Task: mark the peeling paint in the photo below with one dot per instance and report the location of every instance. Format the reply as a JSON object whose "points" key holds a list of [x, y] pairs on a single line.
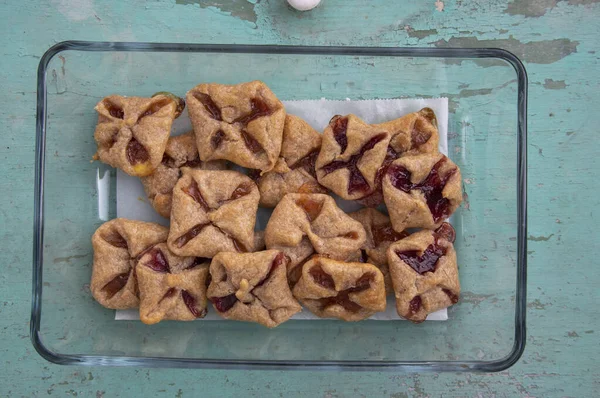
{"points": [[538, 8], [420, 34], [241, 9], [453, 99], [554, 84], [540, 238], [80, 11], [473, 298], [536, 52], [68, 259], [582, 2], [466, 205], [537, 304], [530, 8]]}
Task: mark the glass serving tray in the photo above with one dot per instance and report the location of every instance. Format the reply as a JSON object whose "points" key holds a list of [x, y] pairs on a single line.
{"points": [[487, 90]]}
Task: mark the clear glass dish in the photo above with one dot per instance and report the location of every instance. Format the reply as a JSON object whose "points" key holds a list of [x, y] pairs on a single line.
{"points": [[487, 89]]}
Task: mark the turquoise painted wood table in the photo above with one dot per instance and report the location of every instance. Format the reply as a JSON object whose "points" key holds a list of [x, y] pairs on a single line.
{"points": [[557, 40]]}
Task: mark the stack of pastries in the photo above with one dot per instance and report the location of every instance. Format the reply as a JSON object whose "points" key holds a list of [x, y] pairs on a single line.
{"points": [[311, 253]]}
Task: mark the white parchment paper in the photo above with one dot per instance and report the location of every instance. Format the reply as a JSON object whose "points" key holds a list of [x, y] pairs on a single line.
{"points": [[132, 202]]}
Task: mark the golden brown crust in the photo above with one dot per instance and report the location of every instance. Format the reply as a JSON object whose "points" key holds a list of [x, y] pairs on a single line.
{"points": [[351, 155], [171, 287], [181, 151], [241, 123], [213, 211], [336, 289], [414, 133], [117, 245], [380, 235], [303, 224], [294, 171], [410, 209], [421, 293], [252, 287], [132, 132]]}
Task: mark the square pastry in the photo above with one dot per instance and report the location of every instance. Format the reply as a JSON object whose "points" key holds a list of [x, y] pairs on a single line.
{"points": [[421, 191], [303, 224], [117, 245], [132, 132], [424, 272], [252, 287], [181, 151], [242, 123], [212, 212], [411, 134], [336, 289], [351, 155], [294, 171], [171, 287], [380, 235]]}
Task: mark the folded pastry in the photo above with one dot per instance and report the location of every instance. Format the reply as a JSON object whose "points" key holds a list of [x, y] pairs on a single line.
{"points": [[117, 245], [252, 287], [351, 154], [336, 289], [424, 272], [213, 211], [380, 235], [132, 132], [242, 123], [181, 151], [295, 169], [303, 224], [411, 134], [171, 287], [421, 191]]}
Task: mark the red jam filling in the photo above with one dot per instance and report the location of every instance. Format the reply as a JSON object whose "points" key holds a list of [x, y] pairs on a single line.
{"points": [[217, 139], [136, 153], [339, 126], [321, 277], [158, 262], [189, 235], [357, 182], [116, 240], [209, 105], [343, 297], [190, 303], [426, 262], [224, 304], [432, 187], [415, 305], [193, 190], [115, 285], [312, 208]]}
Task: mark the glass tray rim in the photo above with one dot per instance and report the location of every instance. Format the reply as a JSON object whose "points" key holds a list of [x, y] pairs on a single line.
{"points": [[494, 365]]}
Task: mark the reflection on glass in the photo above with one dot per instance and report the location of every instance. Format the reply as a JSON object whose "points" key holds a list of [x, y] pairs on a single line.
{"points": [[103, 187]]}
